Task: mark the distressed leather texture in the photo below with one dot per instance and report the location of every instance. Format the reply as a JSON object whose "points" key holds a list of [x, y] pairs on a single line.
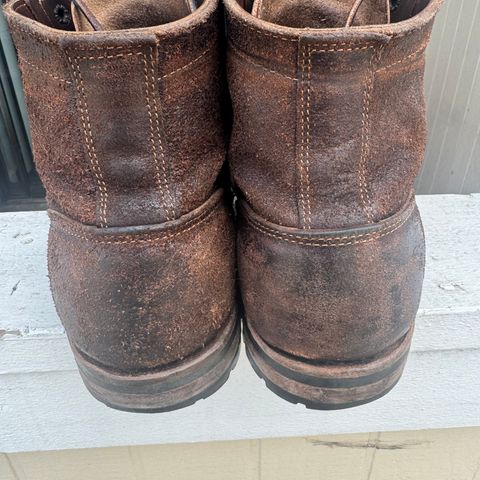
{"points": [[319, 14], [328, 137], [111, 14], [128, 138], [155, 295], [345, 295]]}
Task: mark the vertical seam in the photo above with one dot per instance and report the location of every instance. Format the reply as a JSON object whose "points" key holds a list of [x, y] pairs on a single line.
{"points": [[155, 136], [305, 139], [302, 134], [159, 137], [307, 150], [87, 130], [367, 203]]}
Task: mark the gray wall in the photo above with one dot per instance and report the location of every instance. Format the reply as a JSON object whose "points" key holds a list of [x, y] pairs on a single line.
{"points": [[452, 163]]}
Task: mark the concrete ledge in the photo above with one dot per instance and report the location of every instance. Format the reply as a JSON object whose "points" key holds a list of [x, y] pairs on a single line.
{"points": [[44, 406]]}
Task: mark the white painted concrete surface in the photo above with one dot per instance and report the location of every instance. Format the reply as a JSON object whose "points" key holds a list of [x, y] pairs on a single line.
{"points": [[44, 406]]}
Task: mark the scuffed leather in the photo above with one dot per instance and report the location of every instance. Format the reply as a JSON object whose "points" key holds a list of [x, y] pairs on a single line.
{"points": [[135, 299], [320, 14], [341, 295], [328, 138], [329, 124], [119, 14], [158, 89], [129, 141]]}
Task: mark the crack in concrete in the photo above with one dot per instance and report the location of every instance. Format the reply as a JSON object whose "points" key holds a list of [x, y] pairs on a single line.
{"points": [[15, 287], [367, 445]]}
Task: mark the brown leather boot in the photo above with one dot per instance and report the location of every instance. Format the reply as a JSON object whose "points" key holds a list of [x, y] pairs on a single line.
{"points": [[328, 137], [128, 138]]}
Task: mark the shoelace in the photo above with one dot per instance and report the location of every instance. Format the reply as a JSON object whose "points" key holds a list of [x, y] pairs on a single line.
{"points": [[82, 7]]}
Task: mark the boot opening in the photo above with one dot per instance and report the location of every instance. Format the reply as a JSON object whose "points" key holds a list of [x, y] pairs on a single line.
{"points": [[333, 13], [88, 15], [405, 9]]}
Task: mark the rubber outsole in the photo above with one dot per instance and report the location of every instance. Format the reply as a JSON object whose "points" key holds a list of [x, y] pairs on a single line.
{"points": [[168, 389], [327, 386]]}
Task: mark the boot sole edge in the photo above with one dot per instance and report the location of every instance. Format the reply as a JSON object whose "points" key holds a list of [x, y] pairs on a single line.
{"points": [[168, 389], [327, 386]]}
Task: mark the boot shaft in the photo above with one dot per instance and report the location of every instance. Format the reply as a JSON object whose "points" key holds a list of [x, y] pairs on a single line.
{"points": [[329, 127], [128, 139], [126, 124], [328, 137]]}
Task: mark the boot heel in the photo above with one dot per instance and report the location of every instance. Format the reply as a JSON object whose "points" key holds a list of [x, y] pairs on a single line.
{"points": [[327, 386], [168, 389]]}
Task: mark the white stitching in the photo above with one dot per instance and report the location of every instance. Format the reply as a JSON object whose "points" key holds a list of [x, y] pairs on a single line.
{"points": [[325, 245], [333, 241], [171, 214], [36, 67], [155, 129], [188, 64], [267, 34], [102, 57], [416, 52], [246, 57], [365, 152], [333, 47], [307, 150], [365, 196], [146, 238], [305, 124], [87, 129], [302, 140]]}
